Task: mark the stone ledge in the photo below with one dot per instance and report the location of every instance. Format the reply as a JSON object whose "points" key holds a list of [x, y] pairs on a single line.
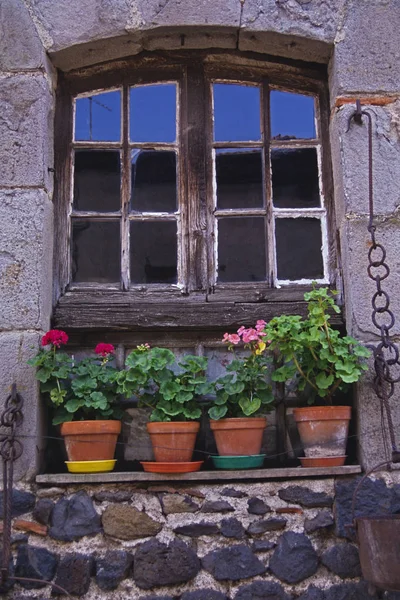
{"points": [[259, 474]]}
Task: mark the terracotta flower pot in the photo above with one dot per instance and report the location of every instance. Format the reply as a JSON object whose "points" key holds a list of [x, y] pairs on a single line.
{"points": [[323, 430], [90, 440], [173, 441], [239, 436]]}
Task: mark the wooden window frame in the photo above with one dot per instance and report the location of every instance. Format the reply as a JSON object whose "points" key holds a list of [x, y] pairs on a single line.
{"points": [[199, 304]]}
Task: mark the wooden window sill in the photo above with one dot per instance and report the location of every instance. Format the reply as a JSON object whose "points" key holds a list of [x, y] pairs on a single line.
{"points": [[212, 476]]}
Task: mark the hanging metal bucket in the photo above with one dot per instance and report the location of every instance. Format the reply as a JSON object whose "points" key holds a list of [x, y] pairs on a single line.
{"points": [[379, 545]]}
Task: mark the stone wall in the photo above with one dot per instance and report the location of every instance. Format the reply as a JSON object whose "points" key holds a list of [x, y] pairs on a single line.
{"points": [[273, 540]]}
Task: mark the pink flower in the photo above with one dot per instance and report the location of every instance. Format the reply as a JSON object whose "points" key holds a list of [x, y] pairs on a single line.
{"points": [[240, 330], [104, 349], [260, 325], [250, 335], [231, 338], [56, 337]]}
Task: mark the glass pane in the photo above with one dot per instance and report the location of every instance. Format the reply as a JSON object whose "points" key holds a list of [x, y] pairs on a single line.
{"points": [[236, 112], [241, 249], [292, 116], [295, 178], [153, 181], [153, 252], [153, 113], [239, 178], [97, 180], [299, 248], [98, 117], [95, 251]]}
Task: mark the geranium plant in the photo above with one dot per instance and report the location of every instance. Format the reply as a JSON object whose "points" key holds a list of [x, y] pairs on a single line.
{"points": [[245, 389], [77, 390], [171, 393], [317, 357]]}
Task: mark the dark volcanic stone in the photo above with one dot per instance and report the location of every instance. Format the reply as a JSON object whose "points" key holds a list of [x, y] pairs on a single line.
{"points": [[343, 560], [259, 527], [294, 558], [262, 545], [73, 518], [37, 563], [197, 529], [322, 520], [157, 564], [232, 528], [232, 493], [374, 498], [217, 506], [256, 506], [22, 502], [42, 511], [11, 570], [156, 598], [350, 591], [73, 574], [112, 569], [114, 496], [305, 497], [313, 593], [262, 590], [233, 563], [206, 594]]}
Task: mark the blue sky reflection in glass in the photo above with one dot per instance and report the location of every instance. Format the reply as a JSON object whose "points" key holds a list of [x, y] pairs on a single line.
{"points": [[236, 113], [153, 113], [98, 117], [292, 116]]}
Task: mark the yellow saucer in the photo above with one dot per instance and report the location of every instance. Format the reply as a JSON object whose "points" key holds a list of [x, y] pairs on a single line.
{"points": [[90, 466]]}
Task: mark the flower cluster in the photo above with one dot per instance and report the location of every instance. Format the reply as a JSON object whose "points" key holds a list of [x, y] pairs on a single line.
{"points": [[247, 336], [104, 349], [55, 337]]}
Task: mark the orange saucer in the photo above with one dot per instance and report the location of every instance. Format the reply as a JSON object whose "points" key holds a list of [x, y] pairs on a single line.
{"points": [[172, 467]]}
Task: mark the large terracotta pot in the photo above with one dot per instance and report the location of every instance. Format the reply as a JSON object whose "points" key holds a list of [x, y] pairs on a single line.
{"points": [[173, 441], [238, 436], [323, 430], [90, 440]]}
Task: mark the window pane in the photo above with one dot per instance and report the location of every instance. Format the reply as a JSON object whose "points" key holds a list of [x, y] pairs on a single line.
{"points": [[295, 178], [95, 251], [236, 112], [153, 181], [153, 113], [239, 178], [98, 117], [97, 180], [153, 252], [299, 248], [292, 116], [241, 249]]}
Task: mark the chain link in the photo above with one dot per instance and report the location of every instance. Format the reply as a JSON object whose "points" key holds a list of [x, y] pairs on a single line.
{"points": [[386, 353]]}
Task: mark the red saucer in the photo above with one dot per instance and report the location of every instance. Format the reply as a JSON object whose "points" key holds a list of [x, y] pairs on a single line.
{"points": [[172, 467]]}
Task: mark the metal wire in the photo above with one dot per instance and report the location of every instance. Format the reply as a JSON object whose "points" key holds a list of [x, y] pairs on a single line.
{"points": [[386, 353]]}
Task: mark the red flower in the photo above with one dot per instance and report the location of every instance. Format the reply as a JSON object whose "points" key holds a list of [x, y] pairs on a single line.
{"points": [[56, 337], [104, 349]]}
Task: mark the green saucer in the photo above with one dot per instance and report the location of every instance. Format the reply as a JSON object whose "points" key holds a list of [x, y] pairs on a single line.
{"points": [[238, 462]]}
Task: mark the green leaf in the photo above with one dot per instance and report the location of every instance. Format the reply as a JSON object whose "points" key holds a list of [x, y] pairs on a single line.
{"points": [[217, 412], [73, 405], [249, 407], [324, 381]]}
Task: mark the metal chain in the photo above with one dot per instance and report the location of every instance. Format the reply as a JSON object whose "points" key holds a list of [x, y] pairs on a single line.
{"points": [[386, 353]]}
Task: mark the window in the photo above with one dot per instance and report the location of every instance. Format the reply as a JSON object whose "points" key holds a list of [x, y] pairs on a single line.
{"points": [[184, 181]]}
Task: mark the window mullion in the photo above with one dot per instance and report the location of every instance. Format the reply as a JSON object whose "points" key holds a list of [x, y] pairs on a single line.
{"points": [[195, 145], [125, 192], [270, 230]]}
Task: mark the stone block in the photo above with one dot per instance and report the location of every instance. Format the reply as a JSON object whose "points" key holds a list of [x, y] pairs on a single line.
{"points": [[350, 160], [43, 510], [74, 517], [322, 520], [161, 13], [26, 131], [15, 350], [359, 288], [112, 569], [257, 506], [26, 242], [20, 45], [294, 558], [70, 22], [197, 529], [128, 523], [22, 503], [297, 494], [367, 48], [73, 574], [36, 563], [315, 20], [232, 528], [233, 563], [343, 560], [262, 590]]}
